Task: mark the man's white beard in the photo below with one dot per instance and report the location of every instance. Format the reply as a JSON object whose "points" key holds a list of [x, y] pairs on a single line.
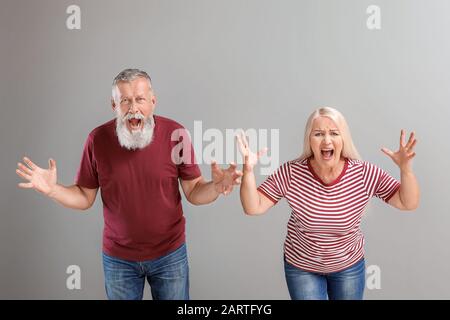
{"points": [[137, 139]]}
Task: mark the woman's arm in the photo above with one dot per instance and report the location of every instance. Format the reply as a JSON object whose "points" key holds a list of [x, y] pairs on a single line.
{"points": [[253, 201], [408, 195]]}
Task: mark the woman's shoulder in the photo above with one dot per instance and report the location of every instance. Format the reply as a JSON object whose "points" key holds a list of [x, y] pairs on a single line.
{"points": [[298, 162], [362, 165]]}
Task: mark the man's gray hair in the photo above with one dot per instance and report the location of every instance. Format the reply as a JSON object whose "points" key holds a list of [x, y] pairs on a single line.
{"points": [[128, 75]]}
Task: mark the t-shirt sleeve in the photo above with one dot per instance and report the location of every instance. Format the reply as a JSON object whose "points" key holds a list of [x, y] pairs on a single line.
{"points": [[186, 164], [87, 175], [276, 185], [381, 184]]}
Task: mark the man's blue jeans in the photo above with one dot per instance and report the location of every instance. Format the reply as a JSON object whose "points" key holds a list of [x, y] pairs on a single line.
{"points": [[347, 284], [168, 277]]}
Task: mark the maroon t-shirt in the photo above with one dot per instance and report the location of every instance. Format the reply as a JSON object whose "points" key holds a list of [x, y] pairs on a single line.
{"points": [[142, 208]]}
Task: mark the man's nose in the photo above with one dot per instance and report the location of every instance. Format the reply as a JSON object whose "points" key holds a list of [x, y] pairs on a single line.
{"points": [[133, 107]]}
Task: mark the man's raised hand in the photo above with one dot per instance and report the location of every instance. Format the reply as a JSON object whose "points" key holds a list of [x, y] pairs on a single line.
{"points": [[42, 180]]}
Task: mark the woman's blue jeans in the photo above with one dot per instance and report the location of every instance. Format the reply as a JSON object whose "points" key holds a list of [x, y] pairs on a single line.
{"points": [[347, 284], [168, 277]]}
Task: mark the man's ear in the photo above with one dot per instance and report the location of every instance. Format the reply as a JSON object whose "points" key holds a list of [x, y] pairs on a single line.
{"points": [[113, 104], [153, 102]]}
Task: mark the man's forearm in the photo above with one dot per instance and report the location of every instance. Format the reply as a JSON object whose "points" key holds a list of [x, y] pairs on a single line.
{"points": [[71, 197], [203, 193]]}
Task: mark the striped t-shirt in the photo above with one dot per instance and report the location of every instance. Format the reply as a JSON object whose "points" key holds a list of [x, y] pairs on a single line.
{"points": [[324, 232]]}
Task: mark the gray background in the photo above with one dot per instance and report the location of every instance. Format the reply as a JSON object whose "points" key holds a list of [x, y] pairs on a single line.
{"points": [[231, 64]]}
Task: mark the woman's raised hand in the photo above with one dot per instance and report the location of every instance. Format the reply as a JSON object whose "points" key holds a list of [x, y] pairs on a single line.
{"points": [[404, 155], [250, 158]]}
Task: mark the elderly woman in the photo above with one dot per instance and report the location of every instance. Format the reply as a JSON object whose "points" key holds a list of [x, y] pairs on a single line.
{"points": [[328, 188]]}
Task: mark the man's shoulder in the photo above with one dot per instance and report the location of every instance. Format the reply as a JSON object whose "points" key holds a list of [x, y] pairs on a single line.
{"points": [[104, 129], [167, 123]]}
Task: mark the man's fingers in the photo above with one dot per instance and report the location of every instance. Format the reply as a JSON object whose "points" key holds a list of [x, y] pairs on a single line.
{"points": [[51, 164], [232, 167], [227, 190], [214, 166], [238, 173], [25, 185], [24, 168], [29, 163], [23, 175]]}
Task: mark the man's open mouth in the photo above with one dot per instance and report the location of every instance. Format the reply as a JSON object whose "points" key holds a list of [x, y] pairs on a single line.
{"points": [[134, 123], [327, 154]]}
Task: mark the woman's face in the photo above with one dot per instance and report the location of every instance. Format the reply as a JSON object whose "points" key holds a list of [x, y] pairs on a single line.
{"points": [[326, 142]]}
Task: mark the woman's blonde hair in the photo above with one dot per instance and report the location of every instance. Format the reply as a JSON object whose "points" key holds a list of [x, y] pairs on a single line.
{"points": [[348, 151]]}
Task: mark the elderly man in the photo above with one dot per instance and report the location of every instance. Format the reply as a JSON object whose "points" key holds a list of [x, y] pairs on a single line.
{"points": [[136, 161]]}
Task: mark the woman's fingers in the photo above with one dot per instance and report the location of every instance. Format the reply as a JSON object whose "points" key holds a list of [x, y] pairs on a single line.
{"points": [[402, 138], [411, 155], [411, 139], [413, 144], [244, 139], [262, 152], [388, 152], [241, 145]]}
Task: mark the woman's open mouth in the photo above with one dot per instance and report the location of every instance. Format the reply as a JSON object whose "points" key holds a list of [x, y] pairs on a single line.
{"points": [[327, 154]]}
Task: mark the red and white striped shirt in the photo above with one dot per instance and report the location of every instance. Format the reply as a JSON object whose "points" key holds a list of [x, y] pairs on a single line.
{"points": [[324, 232]]}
